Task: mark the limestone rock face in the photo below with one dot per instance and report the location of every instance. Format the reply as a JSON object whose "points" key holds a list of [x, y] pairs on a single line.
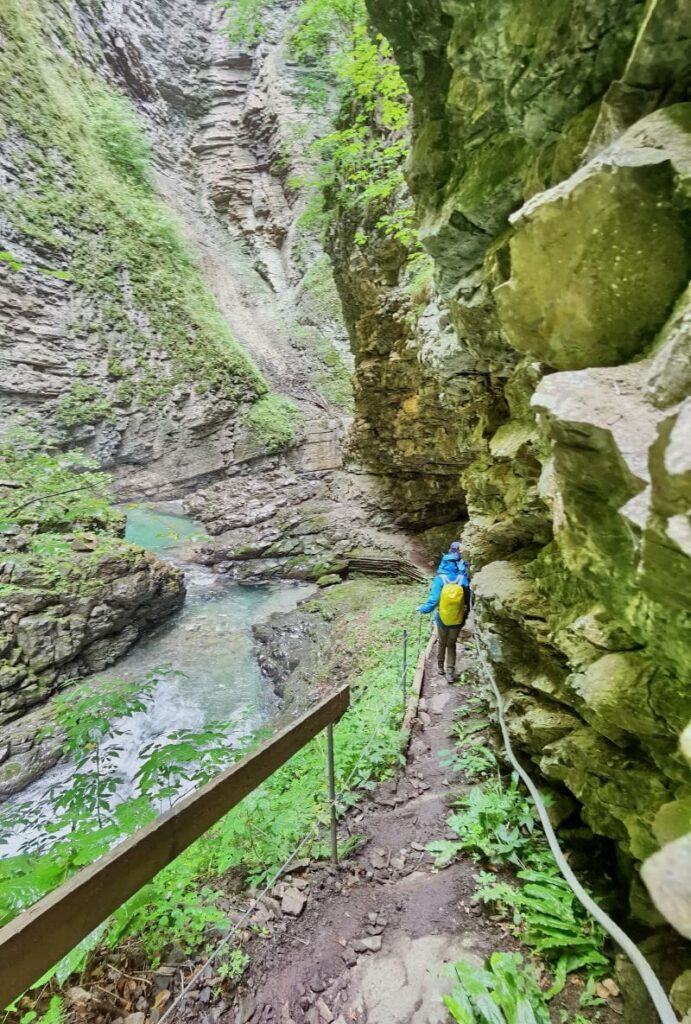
{"points": [[127, 345], [406, 429], [57, 630], [550, 163], [598, 261]]}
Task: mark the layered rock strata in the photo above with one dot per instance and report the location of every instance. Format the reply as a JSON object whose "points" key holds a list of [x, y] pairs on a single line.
{"points": [[56, 629], [135, 317]]}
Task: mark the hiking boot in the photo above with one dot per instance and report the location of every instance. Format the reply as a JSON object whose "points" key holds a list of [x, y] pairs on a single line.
{"points": [[451, 675]]}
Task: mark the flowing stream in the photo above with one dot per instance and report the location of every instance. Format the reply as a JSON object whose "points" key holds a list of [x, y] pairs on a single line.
{"points": [[208, 645]]}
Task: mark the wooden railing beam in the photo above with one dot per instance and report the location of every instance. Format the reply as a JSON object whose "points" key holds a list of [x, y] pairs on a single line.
{"points": [[37, 939]]}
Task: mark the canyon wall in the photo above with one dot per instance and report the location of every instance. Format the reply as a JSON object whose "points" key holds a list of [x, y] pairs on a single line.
{"points": [[150, 298], [550, 163]]}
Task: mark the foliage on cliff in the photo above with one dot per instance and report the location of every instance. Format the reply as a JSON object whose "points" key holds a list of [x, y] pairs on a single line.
{"points": [[359, 163], [79, 192], [273, 422]]}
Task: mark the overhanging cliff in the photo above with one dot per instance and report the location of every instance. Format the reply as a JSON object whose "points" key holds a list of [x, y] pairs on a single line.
{"points": [[550, 167]]}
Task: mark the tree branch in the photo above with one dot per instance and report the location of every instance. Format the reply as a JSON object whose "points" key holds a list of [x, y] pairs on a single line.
{"points": [[42, 497]]}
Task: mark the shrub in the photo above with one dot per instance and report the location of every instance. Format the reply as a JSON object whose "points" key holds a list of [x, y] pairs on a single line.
{"points": [[121, 137], [273, 421], [83, 403]]}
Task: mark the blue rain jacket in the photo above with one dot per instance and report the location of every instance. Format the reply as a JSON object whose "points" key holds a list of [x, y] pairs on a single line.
{"points": [[449, 567], [463, 570]]}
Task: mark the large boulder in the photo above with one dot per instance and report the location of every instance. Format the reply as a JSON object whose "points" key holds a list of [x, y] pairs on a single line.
{"points": [[598, 261], [56, 628]]}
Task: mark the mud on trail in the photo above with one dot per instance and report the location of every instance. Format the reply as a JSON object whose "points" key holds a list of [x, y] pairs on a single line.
{"points": [[367, 943]]}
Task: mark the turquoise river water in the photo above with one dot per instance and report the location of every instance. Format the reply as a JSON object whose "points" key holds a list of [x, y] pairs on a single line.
{"points": [[209, 645]]}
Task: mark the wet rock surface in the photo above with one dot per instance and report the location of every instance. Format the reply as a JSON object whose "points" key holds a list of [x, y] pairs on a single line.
{"points": [[541, 205], [56, 630], [289, 650]]}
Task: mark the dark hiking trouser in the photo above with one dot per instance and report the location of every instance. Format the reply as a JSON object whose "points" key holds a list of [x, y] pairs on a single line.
{"points": [[447, 637]]}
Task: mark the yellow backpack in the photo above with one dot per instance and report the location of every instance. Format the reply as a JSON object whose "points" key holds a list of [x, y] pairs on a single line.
{"points": [[451, 602]]}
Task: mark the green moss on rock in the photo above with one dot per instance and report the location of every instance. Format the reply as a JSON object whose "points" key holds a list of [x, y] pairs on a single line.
{"points": [[273, 422], [82, 194]]}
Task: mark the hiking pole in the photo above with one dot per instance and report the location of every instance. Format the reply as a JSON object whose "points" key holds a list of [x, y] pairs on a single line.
{"points": [[419, 635], [405, 662]]}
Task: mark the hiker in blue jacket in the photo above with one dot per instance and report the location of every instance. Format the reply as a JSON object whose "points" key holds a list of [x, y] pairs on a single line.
{"points": [[455, 610], [455, 553]]}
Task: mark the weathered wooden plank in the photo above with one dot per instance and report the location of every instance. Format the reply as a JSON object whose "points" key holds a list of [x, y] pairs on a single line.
{"points": [[414, 696], [38, 938]]}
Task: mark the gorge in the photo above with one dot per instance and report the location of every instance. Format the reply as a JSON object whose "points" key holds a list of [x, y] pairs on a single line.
{"points": [[349, 281]]}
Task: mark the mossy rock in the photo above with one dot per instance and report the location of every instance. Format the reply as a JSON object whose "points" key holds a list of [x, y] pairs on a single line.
{"points": [[598, 262], [328, 580]]}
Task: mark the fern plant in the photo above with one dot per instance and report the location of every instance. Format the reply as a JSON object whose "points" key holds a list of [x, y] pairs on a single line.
{"points": [[493, 823], [547, 916], [55, 1013]]}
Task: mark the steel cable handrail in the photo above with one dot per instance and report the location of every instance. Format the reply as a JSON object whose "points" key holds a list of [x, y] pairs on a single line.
{"points": [[655, 990]]}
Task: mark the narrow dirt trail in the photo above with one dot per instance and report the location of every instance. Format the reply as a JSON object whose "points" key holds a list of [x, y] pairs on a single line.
{"points": [[374, 935]]}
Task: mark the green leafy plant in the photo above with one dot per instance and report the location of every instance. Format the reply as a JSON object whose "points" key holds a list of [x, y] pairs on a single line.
{"points": [[187, 760], [547, 916], [245, 22], [83, 403], [53, 490], [273, 421], [359, 162], [121, 136], [233, 965], [55, 1013], [494, 822], [318, 22], [589, 996], [475, 760], [11, 261], [504, 992]]}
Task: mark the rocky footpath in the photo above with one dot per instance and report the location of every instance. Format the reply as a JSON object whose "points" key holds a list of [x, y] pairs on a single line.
{"points": [[550, 165]]}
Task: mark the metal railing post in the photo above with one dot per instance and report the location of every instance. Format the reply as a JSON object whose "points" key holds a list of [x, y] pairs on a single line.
{"points": [[405, 662], [332, 792]]}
